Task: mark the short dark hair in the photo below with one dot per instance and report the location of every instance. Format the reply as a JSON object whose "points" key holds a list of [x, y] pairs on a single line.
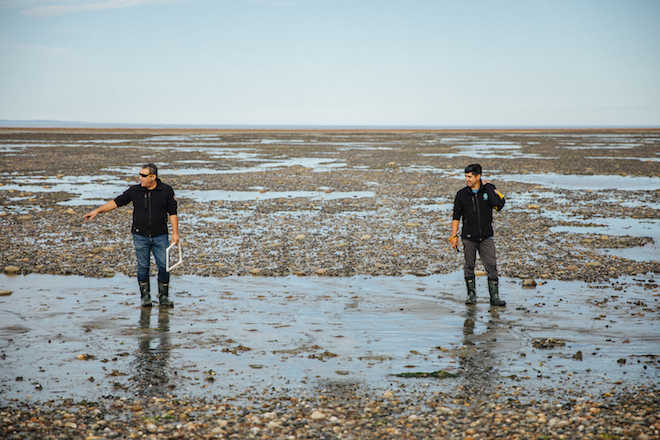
{"points": [[473, 168], [153, 169]]}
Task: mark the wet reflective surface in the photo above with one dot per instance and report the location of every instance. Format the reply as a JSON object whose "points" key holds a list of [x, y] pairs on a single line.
{"points": [[594, 183], [84, 338]]}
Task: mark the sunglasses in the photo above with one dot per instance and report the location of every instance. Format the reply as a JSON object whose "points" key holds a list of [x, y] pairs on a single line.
{"points": [[144, 175]]}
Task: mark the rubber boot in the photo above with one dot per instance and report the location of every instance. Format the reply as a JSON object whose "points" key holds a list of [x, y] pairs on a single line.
{"points": [[163, 295], [494, 291], [471, 285], [145, 293]]}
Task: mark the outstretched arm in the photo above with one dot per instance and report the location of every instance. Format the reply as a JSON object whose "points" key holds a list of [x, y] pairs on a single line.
{"points": [[103, 208]]}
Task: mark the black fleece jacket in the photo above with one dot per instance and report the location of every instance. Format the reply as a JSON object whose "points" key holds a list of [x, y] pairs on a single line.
{"points": [[150, 208], [476, 210]]}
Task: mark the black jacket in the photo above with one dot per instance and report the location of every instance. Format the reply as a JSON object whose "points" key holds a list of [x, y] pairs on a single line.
{"points": [[476, 210], [150, 208]]}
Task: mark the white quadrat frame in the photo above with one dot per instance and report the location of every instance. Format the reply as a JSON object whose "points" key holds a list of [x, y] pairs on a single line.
{"points": [[171, 250]]}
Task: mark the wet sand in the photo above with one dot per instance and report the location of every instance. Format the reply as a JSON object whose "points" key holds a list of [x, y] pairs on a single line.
{"points": [[316, 271]]}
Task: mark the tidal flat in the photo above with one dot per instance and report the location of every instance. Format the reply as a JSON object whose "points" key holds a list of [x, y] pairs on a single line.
{"points": [[319, 297]]}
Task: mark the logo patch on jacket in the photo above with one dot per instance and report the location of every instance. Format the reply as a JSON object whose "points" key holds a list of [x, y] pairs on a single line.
{"points": [[485, 196]]}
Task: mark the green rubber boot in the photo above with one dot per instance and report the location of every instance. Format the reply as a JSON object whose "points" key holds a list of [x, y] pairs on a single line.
{"points": [[145, 293], [471, 285], [163, 295], [494, 291]]}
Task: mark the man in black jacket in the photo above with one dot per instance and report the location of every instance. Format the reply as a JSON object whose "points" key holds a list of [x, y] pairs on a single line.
{"points": [[474, 204], [153, 201]]}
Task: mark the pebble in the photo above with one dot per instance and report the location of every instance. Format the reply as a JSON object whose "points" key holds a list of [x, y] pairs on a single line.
{"points": [[529, 283], [317, 415], [12, 270], [5, 292]]}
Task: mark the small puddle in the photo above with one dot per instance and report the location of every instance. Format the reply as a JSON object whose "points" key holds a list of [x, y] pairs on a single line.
{"points": [[491, 150], [641, 159], [586, 182], [88, 190], [316, 164]]}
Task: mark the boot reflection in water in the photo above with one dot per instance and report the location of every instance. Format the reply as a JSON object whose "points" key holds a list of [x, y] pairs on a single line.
{"points": [[468, 325], [150, 367]]}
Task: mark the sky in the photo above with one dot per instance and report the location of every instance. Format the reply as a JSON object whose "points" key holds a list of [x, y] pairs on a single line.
{"points": [[333, 62]]}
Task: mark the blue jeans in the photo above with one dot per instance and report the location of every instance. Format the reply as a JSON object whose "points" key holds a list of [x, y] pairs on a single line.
{"points": [[144, 246]]}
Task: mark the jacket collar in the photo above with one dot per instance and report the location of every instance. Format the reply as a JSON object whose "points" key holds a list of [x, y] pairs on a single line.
{"points": [[159, 186]]}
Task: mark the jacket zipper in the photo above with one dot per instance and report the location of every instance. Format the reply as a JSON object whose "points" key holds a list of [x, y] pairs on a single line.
{"points": [[148, 197], [475, 202]]}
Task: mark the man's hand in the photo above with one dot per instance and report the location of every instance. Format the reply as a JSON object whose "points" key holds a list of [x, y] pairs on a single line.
{"points": [[175, 238], [90, 215], [103, 208], [453, 241]]}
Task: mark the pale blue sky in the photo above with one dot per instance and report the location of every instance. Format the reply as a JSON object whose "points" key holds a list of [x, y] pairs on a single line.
{"points": [[433, 63]]}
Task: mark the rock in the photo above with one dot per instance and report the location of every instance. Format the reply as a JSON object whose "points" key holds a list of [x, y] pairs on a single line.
{"points": [[151, 428], [533, 206], [5, 292], [317, 415], [12, 270], [70, 211], [388, 394], [548, 343], [529, 283], [578, 356]]}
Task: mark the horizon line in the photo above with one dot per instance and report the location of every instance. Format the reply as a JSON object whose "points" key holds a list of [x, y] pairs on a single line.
{"points": [[48, 123]]}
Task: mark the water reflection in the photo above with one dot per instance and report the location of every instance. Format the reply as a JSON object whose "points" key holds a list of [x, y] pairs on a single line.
{"points": [[476, 355], [151, 371]]}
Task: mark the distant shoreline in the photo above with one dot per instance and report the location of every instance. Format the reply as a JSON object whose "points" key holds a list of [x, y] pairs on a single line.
{"points": [[312, 129], [81, 125]]}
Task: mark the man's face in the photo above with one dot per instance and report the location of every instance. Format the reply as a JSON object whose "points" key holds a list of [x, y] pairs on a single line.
{"points": [[146, 178], [472, 179]]}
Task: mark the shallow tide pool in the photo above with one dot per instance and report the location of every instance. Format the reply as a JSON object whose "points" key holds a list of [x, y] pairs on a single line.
{"points": [[83, 338]]}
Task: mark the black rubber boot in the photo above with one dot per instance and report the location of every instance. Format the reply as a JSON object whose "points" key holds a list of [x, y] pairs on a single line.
{"points": [[163, 295], [494, 291], [471, 285], [145, 293]]}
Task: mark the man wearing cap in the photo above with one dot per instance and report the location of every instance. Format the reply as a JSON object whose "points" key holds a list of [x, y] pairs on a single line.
{"points": [[474, 204], [153, 202]]}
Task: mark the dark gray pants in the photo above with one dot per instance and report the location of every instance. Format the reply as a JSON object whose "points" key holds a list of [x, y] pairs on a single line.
{"points": [[486, 250]]}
